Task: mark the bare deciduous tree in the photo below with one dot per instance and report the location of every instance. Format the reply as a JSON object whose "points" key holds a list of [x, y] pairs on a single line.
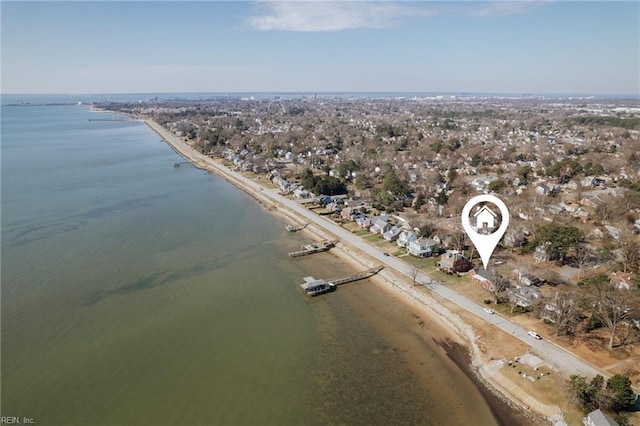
{"points": [[414, 273], [612, 305], [629, 252], [458, 240], [563, 311], [427, 229], [582, 254], [500, 286]]}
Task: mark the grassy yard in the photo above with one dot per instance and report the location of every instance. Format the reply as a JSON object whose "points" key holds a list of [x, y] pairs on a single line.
{"points": [[452, 280], [398, 251], [423, 264], [352, 227], [371, 238], [262, 180]]}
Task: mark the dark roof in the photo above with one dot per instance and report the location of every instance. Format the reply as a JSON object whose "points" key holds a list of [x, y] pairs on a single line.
{"points": [[489, 274]]}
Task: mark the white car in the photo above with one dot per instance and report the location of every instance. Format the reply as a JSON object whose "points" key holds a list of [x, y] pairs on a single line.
{"points": [[489, 311], [535, 335]]}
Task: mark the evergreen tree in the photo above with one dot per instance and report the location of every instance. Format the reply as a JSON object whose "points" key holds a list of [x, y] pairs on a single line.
{"points": [[622, 395]]}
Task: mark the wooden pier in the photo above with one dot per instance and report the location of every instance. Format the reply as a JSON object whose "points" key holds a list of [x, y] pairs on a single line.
{"points": [[314, 287], [183, 164], [314, 248], [355, 277], [296, 228]]}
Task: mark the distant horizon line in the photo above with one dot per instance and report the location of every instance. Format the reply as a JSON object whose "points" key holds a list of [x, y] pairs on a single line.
{"points": [[316, 91], [397, 93]]}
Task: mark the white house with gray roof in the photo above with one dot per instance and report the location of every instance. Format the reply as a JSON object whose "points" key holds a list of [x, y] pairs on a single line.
{"points": [[422, 247]]}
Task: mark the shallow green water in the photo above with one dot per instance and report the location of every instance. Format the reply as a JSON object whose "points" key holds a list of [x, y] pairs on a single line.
{"points": [[137, 293]]}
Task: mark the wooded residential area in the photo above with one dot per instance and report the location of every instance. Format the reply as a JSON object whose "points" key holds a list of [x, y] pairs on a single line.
{"points": [[568, 169]]}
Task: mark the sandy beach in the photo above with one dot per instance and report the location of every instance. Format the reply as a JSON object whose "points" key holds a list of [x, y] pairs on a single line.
{"points": [[457, 338]]}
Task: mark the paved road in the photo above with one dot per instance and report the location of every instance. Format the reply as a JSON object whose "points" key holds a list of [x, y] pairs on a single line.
{"points": [[550, 352]]}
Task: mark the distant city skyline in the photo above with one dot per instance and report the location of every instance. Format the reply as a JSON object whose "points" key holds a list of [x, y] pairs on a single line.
{"points": [[315, 46]]}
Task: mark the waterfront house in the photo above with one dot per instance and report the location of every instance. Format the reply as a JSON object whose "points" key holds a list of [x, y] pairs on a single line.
{"points": [[486, 278], [324, 199], [422, 247], [350, 214], [524, 296], [380, 226], [282, 183], [392, 234], [453, 262], [364, 222], [334, 206], [405, 238], [301, 193]]}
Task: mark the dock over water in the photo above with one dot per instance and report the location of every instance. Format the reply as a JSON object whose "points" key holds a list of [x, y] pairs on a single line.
{"points": [[314, 248], [315, 287], [356, 276], [296, 228], [183, 164]]}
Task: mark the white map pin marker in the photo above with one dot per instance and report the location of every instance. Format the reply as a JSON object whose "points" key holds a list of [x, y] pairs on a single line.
{"points": [[485, 244]]}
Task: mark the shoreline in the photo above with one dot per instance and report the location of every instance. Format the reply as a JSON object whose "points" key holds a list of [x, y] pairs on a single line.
{"points": [[461, 337]]}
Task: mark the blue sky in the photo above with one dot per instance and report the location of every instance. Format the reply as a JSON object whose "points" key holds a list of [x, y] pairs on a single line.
{"points": [[319, 46]]}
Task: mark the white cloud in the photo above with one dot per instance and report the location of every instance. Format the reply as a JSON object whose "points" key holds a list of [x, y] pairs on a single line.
{"points": [[318, 16], [503, 8], [331, 15]]}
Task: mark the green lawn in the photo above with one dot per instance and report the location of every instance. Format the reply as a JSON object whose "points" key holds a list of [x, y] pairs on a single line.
{"points": [[398, 251], [428, 266], [352, 227], [450, 280], [372, 238]]}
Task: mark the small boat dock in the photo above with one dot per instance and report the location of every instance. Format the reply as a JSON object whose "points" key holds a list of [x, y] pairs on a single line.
{"points": [[315, 287], [296, 228], [357, 276], [314, 248], [183, 164]]}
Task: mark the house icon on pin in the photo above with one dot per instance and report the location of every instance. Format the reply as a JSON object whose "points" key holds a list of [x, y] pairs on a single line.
{"points": [[485, 218]]}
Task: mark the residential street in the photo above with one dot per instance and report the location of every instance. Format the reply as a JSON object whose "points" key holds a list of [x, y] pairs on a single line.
{"points": [[555, 355], [550, 352]]}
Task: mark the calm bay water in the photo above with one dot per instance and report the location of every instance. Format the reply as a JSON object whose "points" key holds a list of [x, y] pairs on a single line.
{"points": [[135, 293]]}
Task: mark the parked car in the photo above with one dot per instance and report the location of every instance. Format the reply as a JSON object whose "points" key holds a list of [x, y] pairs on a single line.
{"points": [[535, 335], [489, 311]]}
